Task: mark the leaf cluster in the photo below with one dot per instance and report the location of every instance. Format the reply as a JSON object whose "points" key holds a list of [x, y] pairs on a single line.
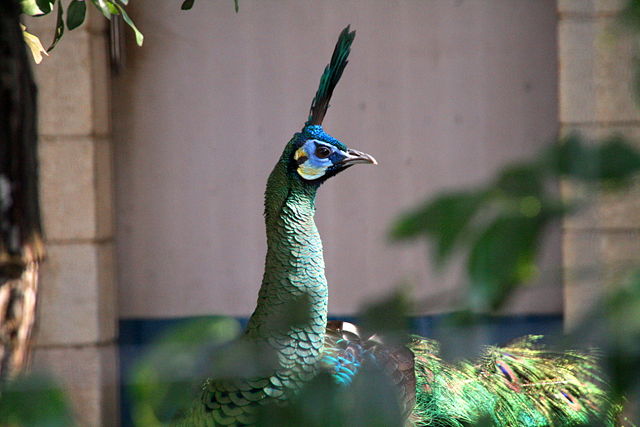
{"points": [[34, 400], [76, 12], [500, 225], [188, 4]]}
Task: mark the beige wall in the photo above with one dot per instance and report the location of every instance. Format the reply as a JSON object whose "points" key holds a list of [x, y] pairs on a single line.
{"points": [[441, 92]]}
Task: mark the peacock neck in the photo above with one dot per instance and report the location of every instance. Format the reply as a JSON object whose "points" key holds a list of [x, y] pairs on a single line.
{"points": [[293, 275]]}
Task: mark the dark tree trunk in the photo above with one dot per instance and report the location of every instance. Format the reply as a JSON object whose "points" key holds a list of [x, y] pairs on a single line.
{"points": [[21, 246]]}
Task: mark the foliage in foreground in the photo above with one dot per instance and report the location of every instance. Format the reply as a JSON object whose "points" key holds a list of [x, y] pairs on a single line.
{"points": [[34, 401], [499, 225]]}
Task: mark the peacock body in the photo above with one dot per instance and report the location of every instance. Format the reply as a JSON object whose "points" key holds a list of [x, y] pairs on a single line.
{"points": [[518, 385]]}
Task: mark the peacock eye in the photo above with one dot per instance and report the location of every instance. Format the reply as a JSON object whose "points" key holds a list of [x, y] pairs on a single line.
{"points": [[323, 152]]}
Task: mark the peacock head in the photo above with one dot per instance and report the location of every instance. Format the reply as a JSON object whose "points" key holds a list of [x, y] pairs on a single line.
{"points": [[318, 156]]}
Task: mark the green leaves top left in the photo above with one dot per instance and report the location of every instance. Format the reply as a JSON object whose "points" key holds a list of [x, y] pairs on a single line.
{"points": [[76, 13]]}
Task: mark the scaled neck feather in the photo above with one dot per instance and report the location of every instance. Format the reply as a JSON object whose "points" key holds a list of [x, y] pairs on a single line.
{"points": [[294, 270]]}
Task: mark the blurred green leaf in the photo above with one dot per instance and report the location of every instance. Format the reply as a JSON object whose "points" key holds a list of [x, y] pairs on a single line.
{"points": [[45, 5], [102, 6], [611, 162], [187, 4], [445, 219], [501, 224], [373, 400], [613, 327], [622, 312], [630, 15], [59, 27], [113, 7], [30, 7], [387, 318], [34, 401], [521, 180], [75, 13], [294, 312], [617, 159], [139, 36], [164, 380], [236, 5], [317, 405], [370, 401], [502, 257]]}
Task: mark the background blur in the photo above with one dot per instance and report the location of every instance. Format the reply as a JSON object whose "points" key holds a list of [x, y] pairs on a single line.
{"points": [[153, 194]]}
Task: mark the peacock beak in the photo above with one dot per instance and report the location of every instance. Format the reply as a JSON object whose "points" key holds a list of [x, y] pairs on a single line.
{"points": [[354, 156]]}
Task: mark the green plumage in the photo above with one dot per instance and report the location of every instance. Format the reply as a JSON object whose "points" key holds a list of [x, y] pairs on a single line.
{"points": [[294, 272], [519, 385]]}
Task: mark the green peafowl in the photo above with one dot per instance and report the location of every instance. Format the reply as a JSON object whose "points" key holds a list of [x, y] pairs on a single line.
{"points": [[518, 385]]}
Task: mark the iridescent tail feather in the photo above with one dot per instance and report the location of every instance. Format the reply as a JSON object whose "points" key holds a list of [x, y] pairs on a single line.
{"points": [[521, 384]]}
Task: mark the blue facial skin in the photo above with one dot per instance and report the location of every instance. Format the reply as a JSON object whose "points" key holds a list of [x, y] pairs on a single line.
{"points": [[310, 148], [310, 166]]}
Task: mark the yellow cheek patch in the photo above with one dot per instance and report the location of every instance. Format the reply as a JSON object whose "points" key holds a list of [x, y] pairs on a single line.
{"points": [[299, 153], [308, 172]]}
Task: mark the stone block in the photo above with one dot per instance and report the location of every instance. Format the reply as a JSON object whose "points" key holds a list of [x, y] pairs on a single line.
{"points": [[67, 189], [89, 377], [103, 164], [77, 297], [594, 261], [595, 79], [615, 61], [619, 209], [599, 131], [590, 6], [65, 87], [576, 63], [101, 84], [107, 320]]}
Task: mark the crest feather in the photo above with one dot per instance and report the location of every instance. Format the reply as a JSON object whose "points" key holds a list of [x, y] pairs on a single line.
{"points": [[330, 77]]}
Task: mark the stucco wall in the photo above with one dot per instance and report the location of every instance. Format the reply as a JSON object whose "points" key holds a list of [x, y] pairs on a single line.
{"points": [[441, 92]]}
